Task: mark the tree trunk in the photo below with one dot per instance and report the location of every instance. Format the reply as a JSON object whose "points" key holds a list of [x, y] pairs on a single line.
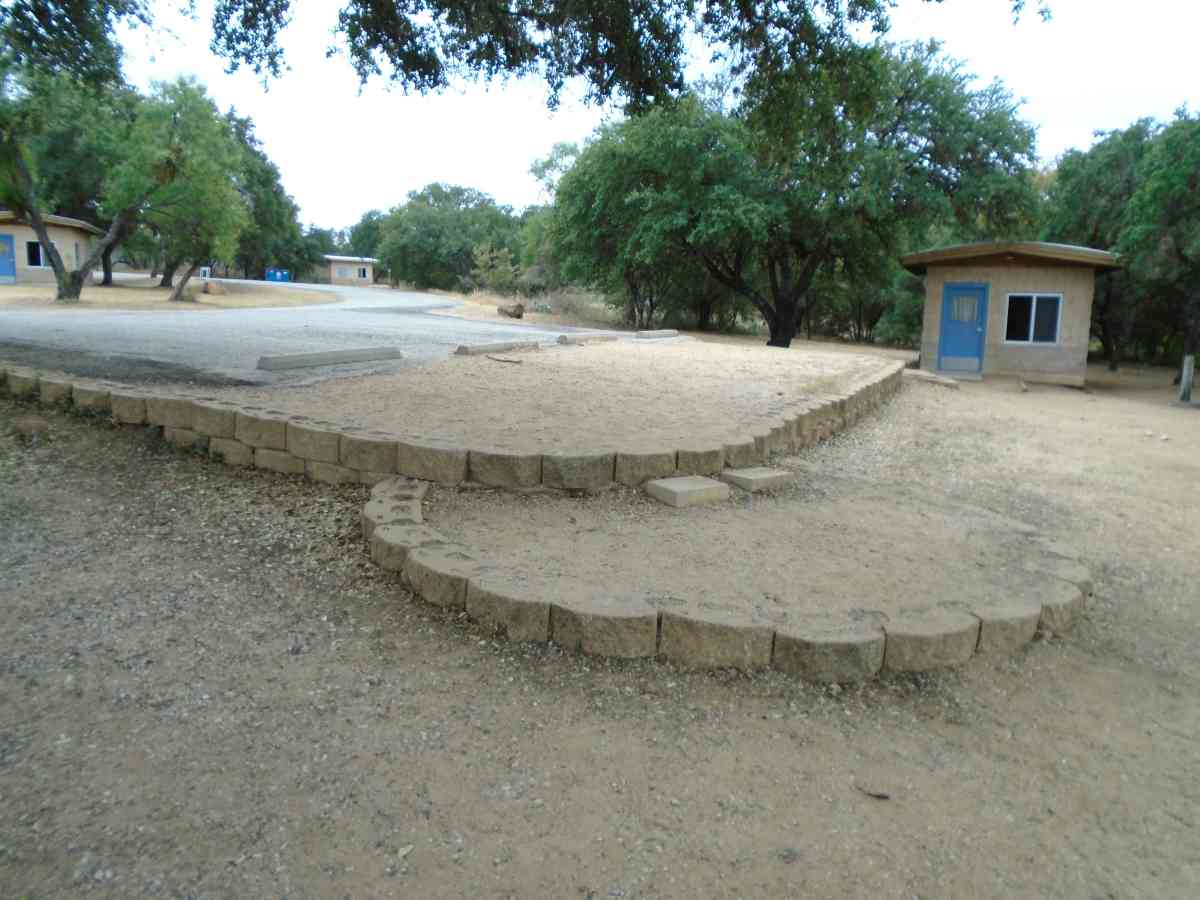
{"points": [[170, 267], [106, 263], [177, 293]]}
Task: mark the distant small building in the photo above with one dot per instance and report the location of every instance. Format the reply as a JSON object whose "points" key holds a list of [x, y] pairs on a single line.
{"points": [[23, 260], [351, 270], [1009, 308]]}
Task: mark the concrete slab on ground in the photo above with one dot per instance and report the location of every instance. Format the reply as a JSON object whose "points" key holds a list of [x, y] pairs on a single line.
{"points": [[687, 490], [757, 478], [328, 358]]}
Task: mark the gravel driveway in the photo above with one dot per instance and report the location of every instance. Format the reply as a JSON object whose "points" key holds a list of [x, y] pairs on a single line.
{"points": [[225, 345], [207, 691]]}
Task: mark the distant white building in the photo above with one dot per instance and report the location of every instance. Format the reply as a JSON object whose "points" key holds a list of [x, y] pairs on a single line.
{"points": [[351, 269]]}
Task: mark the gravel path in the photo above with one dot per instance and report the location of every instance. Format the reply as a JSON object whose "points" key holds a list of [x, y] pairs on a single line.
{"points": [[206, 690]]}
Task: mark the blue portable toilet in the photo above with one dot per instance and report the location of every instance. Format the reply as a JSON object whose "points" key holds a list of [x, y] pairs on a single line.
{"points": [[278, 275]]}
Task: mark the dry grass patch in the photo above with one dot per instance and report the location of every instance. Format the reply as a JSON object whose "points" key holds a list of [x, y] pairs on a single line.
{"points": [[145, 294]]}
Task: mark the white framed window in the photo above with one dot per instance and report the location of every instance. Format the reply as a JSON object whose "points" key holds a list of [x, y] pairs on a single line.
{"points": [[362, 272], [343, 272], [1033, 319], [33, 254]]}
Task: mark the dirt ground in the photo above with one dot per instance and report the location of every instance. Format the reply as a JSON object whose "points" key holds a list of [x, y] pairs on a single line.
{"points": [[623, 395], [144, 294], [206, 690]]}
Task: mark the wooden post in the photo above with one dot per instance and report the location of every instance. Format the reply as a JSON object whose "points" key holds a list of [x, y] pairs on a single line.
{"points": [[1186, 378]]}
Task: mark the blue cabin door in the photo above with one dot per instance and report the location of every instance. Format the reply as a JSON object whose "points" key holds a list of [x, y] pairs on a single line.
{"points": [[964, 327], [8, 260]]}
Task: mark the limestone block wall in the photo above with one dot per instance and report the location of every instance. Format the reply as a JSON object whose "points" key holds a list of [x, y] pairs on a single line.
{"points": [[336, 453], [451, 575]]}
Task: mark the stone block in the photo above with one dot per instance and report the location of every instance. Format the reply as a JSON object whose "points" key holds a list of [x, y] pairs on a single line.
{"points": [[400, 488], [128, 407], [93, 398], [1062, 605], [762, 445], [278, 461], [656, 334], [231, 452], [1006, 626], [330, 473], [509, 470], [758, 478], [712, 639], [920, 640], [392, 543], [700, 460], [625, 627], [22, 385], [262, 428], [314, 440], [388, 511], [168, 412], [498, 347], [439, 573], [633, 468], [740, 454], [368, 451], [577, 471], [54, 391], [687, 490], [830, 648], [216, 418], [431, 460], [506, 606], [185, 438]]}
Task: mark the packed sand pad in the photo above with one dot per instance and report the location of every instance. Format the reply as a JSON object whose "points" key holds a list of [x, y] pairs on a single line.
{"points": [[771, 559], [624, 395]]}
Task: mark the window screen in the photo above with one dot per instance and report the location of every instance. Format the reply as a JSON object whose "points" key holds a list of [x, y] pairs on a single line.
{"points": [[965, 309], [1019, 309], [33, 253], [1045, 320]]}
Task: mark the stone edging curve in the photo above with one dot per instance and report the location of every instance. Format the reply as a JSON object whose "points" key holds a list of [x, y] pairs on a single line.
{"points": [[822, 647]]}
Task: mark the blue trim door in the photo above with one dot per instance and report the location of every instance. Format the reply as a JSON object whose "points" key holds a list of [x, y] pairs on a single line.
{"points": [[8, 260], [964, 327]]}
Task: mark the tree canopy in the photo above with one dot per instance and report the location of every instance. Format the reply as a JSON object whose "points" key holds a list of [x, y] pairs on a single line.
{"points": [[765, 207]]}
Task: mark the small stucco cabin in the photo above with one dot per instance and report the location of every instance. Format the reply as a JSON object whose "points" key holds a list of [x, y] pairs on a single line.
{"points": [[23, 260], [351, 270], [1009, 308]]}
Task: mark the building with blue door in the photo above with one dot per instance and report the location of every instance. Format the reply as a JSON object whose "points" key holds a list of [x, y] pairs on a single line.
{"points": [[1009, 308], [23, 259]]}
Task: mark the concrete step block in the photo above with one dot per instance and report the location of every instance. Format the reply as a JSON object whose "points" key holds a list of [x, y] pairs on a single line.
{"points": [[757, 478], [687, 490]]}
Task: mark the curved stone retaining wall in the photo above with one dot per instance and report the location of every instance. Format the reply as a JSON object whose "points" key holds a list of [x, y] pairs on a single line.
{"points": [[341, 454], [444, 573]]}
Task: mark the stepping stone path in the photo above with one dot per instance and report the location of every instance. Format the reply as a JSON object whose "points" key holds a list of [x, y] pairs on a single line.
{"points": [[758, 478], [687, 490]]}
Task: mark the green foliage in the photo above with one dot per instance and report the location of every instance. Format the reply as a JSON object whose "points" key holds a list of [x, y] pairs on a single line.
{"points": [[808, 191], [634, 49], [494, 270], [195, 204], [69, 37], [1085, 205], [430, 240], [1161, 223]]}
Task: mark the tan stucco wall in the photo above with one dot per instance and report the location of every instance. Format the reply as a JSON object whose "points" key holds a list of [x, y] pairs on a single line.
{"points": [[1062, 363], [352, 270], [65, 238]]}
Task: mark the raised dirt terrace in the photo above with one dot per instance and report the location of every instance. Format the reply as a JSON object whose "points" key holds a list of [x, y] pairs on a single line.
{"points": [[625, 395]]}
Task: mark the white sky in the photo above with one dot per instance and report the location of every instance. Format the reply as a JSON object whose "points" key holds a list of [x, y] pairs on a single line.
{"points": [[1097, 65]]}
